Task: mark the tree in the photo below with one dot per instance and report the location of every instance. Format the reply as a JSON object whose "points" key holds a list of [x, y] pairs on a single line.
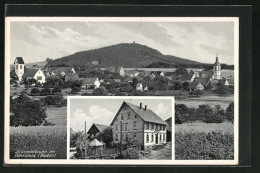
{"points": [[177, 85], [76, 86], [134, 82], [100, 92], [230, 112], [204, 111], [35, 92], [105, 136], [45, 92], [181, 71], [185, 85], [76, 138], [27, 112], [56, 90], [181, 111]]}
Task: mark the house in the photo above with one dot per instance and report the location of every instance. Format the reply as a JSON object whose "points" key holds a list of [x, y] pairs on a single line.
{"points": [[231, 81], [97, 128], [211, 86], [90, 83], [56, 71], [120, 70], [203, 81], [155, 73], [117, 80], [71, 76], [139, 86], [145, 88], [196, 86], [19, 67], [36, 74], [132, 73], [138, 124]]}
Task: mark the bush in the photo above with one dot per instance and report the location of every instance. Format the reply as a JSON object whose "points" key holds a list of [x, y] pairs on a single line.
{"points": [[56, 90], [196, 92], [130, 153], [45, 92], [56, 100], [35, 92], [100, 92]]}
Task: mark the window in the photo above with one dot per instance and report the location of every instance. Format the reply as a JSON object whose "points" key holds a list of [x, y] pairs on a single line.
{"points": [[152, 126], [21, 67], [134, 125], [116, 127], [16, 66], [135, 116], [147, 137], [160, 137], [134, 136], [164, 137], [126, 136], [116, 137], [147, 126], [152, 138], [128, 116], [39, 77], [126, 126], [122, 117], [164, 127]]}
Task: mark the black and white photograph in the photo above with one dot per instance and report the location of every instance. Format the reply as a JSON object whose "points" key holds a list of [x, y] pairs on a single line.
{"points": [[120, 128], [193, 60]]}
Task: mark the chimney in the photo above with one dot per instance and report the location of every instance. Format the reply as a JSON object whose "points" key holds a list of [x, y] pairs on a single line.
{"points": [[141, 105], [145, 107]]}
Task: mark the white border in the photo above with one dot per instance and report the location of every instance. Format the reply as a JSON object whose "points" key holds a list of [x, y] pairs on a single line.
{"points": [[122, 19]]}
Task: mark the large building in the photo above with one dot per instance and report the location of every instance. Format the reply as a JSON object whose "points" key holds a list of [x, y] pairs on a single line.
{"points": [[139, 125], [27, 73], [217, 70]]}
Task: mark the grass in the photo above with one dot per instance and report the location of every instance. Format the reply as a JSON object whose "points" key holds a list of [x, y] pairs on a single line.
{"points": [[204, 127], [38, 142], [57, 115]]}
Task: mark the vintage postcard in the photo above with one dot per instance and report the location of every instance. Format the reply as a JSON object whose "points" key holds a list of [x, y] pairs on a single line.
{"points": [[113, 90]]}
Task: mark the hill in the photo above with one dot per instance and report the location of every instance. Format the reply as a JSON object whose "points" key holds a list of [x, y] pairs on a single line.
{"points": [[131, 55]]}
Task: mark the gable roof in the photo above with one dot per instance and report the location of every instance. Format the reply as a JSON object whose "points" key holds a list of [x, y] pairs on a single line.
{"points": [[19, 60], [203, 81], [95, 143], [117, 69], [193, 85], [88, 80], [101, 127], [231, 81], [186, 77], [71, 76], [147, 115], [30, 72], [58, 70], [139, 85]]}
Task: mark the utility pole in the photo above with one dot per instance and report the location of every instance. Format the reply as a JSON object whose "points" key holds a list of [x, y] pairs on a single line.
{"points": [[121, 135], [85, 141]]}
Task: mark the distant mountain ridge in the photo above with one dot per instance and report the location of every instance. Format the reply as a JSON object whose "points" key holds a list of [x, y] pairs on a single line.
{"points": [[128, 55]]}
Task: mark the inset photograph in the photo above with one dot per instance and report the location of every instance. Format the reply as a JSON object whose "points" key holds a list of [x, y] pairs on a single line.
{"points": [[120, 127]]}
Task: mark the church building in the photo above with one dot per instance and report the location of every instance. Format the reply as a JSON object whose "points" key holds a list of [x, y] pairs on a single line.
{"points": [[217, 70]]}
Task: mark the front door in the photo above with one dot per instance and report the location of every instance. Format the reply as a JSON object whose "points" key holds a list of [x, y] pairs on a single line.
{"points": [[156, 138]]}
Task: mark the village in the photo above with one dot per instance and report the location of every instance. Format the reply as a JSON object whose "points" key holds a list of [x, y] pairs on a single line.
{"points": [[91, 80]]}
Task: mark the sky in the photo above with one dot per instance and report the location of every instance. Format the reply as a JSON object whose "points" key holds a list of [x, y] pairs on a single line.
{"points": [[102, 111], [200, 41]]}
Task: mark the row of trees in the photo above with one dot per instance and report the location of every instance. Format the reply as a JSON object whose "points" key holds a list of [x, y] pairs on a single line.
{"points": [[204, 113]]}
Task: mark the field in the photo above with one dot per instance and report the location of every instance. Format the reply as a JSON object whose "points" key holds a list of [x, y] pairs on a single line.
{"points": [[39, 142], [57, 115], [226, 127], [197, 141], [223, 101]]}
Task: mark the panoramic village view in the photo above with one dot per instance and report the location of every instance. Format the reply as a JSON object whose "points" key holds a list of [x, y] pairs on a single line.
{"points": [[203, 91]]}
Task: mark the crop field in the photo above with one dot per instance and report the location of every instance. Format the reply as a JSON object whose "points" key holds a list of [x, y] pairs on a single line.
{"points": [[214, 145], [226, 127], [210, 100], [57, 115], [38, 142]]}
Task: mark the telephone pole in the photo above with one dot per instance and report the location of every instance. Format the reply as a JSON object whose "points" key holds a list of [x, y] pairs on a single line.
{"points": [[85, 136]]}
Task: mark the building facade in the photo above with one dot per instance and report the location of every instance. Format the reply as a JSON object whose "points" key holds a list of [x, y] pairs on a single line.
{"points": [[19, 67], [217, 70], [139, 126]]}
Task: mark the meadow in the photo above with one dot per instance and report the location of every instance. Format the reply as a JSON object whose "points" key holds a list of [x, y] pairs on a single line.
{"points": [[57, 115], [38, 142]]}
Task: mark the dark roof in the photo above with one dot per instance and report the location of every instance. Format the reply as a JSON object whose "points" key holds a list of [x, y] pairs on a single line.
{"points": [[117, 70], [58, 70], [231, 81], [88, 80], [193, 85], [206, 74], [186, 77], [101, 127], [29, 72], [73, 76], [203, 81], [212, 85], [19, 60], [147, 115]]}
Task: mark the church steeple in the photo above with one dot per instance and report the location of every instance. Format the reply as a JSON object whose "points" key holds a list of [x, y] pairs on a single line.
{"points": [[217, 69]]}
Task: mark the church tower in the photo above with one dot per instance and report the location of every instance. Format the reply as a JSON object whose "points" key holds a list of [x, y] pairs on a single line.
{"points": [[217, 70], [19, 67]]}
